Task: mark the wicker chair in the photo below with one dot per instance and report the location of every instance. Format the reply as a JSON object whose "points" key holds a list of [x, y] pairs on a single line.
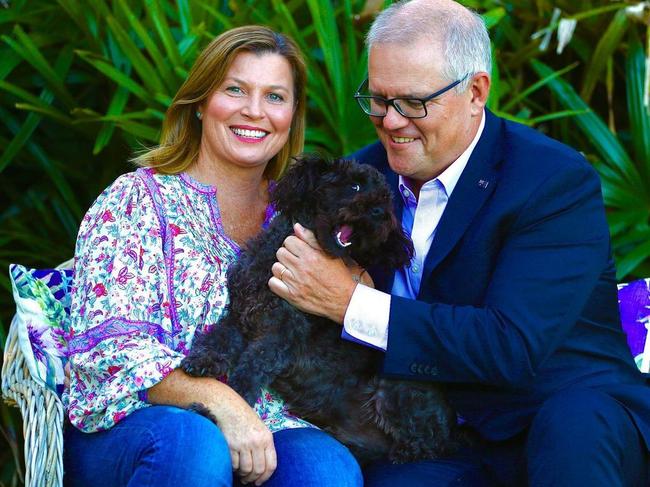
{"points": [[42, 413]]}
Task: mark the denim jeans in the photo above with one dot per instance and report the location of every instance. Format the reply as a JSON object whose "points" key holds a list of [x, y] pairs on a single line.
{"points": [[164, 446]]}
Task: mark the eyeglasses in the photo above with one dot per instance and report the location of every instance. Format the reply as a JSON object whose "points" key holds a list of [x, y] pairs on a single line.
{"points": [[409, 107]]}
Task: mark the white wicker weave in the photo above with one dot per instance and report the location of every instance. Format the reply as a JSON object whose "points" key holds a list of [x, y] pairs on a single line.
{"points": [[42, 413]]}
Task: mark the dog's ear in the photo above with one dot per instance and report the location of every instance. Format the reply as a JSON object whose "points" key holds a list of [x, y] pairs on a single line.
{"points": [[295, 189]]}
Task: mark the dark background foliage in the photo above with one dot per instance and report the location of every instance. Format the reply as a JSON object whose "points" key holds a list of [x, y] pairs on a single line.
{"points": [[85, 83]]}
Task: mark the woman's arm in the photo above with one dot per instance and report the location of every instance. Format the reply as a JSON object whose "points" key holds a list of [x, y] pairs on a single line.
{"points": [[250, 441]]}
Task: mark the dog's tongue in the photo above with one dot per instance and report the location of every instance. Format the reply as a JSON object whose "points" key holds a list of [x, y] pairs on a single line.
{"points": [[344, 236]]}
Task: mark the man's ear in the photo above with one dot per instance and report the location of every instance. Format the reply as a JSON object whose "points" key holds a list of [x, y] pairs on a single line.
{"points": [[479, 89]]}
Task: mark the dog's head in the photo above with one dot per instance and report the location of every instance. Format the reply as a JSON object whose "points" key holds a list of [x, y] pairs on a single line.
{"points": [[348, 206]]}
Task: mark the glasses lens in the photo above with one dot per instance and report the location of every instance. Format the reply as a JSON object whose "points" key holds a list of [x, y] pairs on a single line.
{"points": [[372, 106], [410, 107]]}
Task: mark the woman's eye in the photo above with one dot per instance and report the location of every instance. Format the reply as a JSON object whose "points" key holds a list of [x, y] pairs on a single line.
{"points": [[356, 187], [275, 98], [235, 90]]}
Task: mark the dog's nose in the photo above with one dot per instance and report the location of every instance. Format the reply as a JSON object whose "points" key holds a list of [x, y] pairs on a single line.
{"points": [[377, 212]]}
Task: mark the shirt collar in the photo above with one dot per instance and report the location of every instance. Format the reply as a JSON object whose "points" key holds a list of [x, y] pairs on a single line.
{"points": [[450, 176]]}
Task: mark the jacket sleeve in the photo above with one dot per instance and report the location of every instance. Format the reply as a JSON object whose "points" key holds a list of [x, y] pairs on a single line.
{"points": [[546, 269]]}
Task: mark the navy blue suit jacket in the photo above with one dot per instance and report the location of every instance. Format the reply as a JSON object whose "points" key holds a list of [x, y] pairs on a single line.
{"points": [[518, 298]]}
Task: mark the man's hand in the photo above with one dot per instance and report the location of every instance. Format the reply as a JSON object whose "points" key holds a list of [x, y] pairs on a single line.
{"points": [[311, 280]]}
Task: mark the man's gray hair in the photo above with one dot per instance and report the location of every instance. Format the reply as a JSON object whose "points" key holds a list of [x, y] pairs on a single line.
{"points": [[461, 32]]}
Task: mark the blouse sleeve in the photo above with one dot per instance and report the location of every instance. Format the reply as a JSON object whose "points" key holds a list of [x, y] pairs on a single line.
{"points": [[121, 330]]}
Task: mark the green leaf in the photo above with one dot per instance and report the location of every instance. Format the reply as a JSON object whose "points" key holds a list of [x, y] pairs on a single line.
{"points": [[118, 102], [493, 17], [221, 18], [8, 61], [105, 67], [626, 264], [39, 104], [185, 15], [22, 138], [593, 128], [536, 86], [141, 64], [161, 64], [26, 48], [556, 115], [330, 44], [45, 110], [496, 88], [140, 130], [605, 48], [165, 33], [635, 77]]}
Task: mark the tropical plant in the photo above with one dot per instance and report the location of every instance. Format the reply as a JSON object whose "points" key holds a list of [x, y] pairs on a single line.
{"points": [[84, 83]]}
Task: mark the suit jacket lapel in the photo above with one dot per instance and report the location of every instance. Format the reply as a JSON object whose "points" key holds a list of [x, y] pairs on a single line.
{"points": [[475, 185]]}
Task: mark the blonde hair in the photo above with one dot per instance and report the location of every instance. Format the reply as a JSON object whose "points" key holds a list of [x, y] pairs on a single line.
{"points": [[181, 131]]}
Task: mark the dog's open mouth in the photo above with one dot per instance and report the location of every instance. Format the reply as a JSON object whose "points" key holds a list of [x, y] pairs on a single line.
{"points": [[344, 236]]}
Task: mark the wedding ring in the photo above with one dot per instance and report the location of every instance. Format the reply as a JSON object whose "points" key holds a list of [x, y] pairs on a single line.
{"points": [[282, 273]]}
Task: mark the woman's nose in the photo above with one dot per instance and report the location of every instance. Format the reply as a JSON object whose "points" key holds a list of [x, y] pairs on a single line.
{"points": [[253, 107]]}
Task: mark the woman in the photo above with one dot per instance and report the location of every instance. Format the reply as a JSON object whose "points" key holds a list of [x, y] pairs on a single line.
{"points": [[150, 272]]}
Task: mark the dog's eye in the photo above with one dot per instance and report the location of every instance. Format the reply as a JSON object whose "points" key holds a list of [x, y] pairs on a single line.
{"points": [[356, 187]]}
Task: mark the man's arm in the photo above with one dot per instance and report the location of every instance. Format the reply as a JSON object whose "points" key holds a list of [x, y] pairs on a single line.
{"points": [[545, 272]]}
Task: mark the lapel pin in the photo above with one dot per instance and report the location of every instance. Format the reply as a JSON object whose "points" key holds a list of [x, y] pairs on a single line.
{"points": [[482, 183]]}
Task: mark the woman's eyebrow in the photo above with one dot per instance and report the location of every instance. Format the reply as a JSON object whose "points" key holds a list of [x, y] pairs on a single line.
{"points": [[245, 83]]}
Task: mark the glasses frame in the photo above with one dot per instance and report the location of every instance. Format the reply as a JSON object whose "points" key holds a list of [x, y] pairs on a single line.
{"points": [[391, 101]]}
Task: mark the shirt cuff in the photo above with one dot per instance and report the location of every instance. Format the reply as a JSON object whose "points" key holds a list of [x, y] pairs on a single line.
{"points": [[366, 319]]}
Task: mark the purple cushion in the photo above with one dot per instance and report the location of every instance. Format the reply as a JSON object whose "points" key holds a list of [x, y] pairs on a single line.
{"points": [[634, 305]]}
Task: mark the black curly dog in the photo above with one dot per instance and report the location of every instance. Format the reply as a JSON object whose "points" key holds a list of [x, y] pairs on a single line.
{"points": [[333, 383]]}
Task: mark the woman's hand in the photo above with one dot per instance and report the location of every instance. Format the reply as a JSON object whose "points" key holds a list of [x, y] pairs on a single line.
{"points": [[250, 442]]}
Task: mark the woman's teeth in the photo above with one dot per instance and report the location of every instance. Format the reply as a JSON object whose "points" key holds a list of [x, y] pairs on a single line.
{"points": [[254, 134]]}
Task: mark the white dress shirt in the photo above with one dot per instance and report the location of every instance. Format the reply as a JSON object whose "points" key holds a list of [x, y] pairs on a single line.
{"points": [[366, 319]]}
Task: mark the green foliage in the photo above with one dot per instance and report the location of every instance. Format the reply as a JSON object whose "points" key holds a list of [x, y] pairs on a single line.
{"points": [[84, 83]]}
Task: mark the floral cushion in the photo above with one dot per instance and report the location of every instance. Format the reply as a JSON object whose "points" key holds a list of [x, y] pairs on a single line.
{"points": [[42, 309], [634, 304]]}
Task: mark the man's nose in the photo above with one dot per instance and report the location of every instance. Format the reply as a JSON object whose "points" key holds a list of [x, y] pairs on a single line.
{"points": [[393, 119]]}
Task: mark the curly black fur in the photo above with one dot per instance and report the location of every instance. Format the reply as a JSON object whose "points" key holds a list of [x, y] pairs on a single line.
{"points": [[266, 342]]}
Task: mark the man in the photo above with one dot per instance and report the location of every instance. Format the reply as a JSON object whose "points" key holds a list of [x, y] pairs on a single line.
{"points": [[510, 300]]}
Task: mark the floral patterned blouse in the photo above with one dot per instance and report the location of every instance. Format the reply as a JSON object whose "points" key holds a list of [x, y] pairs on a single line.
{"points": [[150, 272]]}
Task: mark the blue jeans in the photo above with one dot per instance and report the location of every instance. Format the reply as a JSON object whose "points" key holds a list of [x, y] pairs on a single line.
{"points": [[164, 446]]}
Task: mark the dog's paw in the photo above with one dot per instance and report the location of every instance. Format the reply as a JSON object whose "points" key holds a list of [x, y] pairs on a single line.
{"points": [[204, 366]]}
